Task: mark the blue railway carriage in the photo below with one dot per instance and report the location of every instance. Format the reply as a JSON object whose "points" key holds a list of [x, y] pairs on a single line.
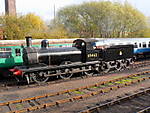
{"points": [[141, 45]]}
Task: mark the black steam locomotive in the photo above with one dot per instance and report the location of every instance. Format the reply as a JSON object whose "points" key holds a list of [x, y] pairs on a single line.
{"points": [[82, 57]]}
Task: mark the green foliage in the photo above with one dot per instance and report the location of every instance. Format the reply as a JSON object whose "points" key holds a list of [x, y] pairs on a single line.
{"points": [[102, 19], [146, 33], [36, 22], [90, 19], [58, 32]]}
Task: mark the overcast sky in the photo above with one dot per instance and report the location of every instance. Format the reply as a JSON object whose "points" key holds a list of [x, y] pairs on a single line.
{"points": [[45, 8]]}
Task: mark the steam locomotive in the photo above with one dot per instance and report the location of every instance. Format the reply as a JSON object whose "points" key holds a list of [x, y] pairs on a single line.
{"points": [[41, 63]]}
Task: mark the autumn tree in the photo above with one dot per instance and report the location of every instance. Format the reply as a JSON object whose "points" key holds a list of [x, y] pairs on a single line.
{"points": [[36, 23], [17, 27], [102, 19]]}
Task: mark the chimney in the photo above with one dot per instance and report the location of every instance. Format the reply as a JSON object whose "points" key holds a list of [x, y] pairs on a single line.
{"points": [[10, 7], [29, 41]]}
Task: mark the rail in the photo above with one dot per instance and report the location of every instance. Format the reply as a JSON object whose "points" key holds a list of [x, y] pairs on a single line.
{"points": [[71, 95]]}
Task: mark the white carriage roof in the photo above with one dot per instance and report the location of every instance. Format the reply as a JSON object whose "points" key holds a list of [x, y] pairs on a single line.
{"points": [[117, 41]]}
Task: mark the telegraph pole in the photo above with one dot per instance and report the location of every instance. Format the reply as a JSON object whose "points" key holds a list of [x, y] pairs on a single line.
{"points": [[54, 14]]}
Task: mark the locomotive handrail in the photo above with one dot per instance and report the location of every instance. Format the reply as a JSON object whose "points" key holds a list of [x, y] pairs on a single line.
{"points": [[58, 67]]}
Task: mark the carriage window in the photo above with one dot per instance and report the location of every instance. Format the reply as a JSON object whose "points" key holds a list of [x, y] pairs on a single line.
{"points": [[140, 45], [135, 45], [149, 44], [5, 52], [144, 44], [18, 52]]}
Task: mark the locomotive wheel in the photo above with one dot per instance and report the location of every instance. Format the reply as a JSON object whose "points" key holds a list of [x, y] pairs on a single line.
{"points": [[131, 61], [118, 65], [68, 74], [89, 73], [127, 63], [40, 78], [105, 67], [134, 58]]}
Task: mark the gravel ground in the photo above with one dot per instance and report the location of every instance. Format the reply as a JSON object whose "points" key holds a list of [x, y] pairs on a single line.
{"points": [[30, 92], [92, 101]]}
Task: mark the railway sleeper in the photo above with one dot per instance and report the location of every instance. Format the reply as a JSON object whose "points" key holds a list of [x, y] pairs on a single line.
{"points": [[51, 100]]}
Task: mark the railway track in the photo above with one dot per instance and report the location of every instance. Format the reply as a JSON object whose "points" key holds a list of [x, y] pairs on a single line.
{"points": [[12, 85], [138, 102], [141, 64], [71, 95]]}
